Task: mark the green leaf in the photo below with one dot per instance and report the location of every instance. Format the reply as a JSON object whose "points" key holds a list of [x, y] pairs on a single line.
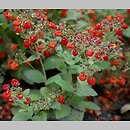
{"points": [[78, 59], [82, 24], [54, 62], [56, 105], [85, 90], [21, 104], [2, 19], [4, 26], [90, 105], [121, 11], [63, 112], [102, 65], [75, 69], [26, 92], [72, 15], [27, 113], [75, 99], [18, 73], [95, 67], [21, 116], [53, 86], [30, 112], [27, 80], [45, 92], [36, 118], [59, 50], [67, 75], [90, 61], [34, 95], [34, 76], [1, 11], [16, 110], [51, 115], [110, 36], [58, 80], [126, 33], [58, 38], [41, 116], [68, 58], [75, 115], [31, 58], [1, 79]]}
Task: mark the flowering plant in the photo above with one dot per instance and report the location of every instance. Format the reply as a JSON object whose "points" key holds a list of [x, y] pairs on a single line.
{"points": [[73, 53]]}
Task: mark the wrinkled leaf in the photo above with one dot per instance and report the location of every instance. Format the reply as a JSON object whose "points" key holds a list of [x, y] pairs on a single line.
{"points": [[87, 104], [75, 115], [63, 112], [82, 24], [41, 116], [45, 92], [58, 80], [30, 112], [26, 92], [76, 69], [34, 76], [85, 90], [21, 104], [15, 110], [68, 58], [56, 105], [34, 95], [54, 62], [101, 65], [21, 116]]}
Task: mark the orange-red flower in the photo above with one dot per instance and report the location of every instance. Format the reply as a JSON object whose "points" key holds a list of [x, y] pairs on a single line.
{"points": [[115, 62], [102, 81], [12, 64], [13, 46], [121, 80], [113, 80]]}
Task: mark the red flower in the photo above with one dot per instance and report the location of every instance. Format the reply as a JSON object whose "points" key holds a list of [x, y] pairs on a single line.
{"points": [[58, 32], [6, 95], [47, 53], [82, 76], [15, 82], [61, 99], [27, 43], [91, 81], [64, 41], [27, 24]]}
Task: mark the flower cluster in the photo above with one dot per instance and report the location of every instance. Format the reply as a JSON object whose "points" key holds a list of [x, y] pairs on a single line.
{"points": [[13, 92], [91, 44]]}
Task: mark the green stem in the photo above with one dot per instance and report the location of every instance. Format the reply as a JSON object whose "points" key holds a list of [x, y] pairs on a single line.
{"points": [[43, 70], [24, 58], [31, 66]]}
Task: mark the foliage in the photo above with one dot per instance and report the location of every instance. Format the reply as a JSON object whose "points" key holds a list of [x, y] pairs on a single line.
{"points": [[70, 42]]}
